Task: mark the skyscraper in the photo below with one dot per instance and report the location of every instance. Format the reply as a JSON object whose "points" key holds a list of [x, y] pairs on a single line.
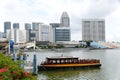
{"points": [[65, 21], [35, 26], [7, 26], [44, 33], [32, 35], [15, 25], [27, 26], [17, 35], [93, 29], [62, 34], [62, 31]]}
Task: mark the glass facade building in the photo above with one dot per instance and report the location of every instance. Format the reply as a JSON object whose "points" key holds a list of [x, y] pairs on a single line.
{"points": [[62, 34], [15, 25], [35, 26], [7, 26], [27, 26]]}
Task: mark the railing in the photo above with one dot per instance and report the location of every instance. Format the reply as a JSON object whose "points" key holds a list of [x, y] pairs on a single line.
{"points": [[81, 61]]}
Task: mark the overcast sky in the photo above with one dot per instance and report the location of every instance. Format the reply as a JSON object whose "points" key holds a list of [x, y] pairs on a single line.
{"points": [[48, 11]]}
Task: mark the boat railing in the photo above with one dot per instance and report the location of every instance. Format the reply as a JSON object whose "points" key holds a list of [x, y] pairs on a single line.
{"points": [[80, 61]]}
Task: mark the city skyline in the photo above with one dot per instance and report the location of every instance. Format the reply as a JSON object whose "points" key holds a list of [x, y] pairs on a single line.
{"points": [[28, 11]]}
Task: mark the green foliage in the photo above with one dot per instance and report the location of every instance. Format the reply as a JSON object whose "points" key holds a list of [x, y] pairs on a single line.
{"points": [[79, 46], [13, 70], [59, 46], [88, 43], [50, 46], [2, 47]]}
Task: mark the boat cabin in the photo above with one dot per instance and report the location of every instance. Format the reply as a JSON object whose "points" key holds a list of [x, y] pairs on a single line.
{"points": [[62, 60]]}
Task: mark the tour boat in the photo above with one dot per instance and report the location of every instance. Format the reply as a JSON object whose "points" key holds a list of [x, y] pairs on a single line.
{"points": [[67, 62]]}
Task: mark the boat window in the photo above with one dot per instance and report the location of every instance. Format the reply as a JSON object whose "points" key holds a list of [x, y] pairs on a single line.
{"points": [[62, 61], [58, 61], [54, 61]]}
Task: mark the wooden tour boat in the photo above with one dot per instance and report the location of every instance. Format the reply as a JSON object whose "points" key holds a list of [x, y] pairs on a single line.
{"points": [[65, 62]]}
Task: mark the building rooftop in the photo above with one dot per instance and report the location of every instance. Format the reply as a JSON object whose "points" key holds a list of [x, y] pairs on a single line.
{"points": [[64, 14]]}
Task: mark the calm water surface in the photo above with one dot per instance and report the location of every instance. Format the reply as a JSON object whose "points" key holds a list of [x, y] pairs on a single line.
{"points": [[110, 69]]}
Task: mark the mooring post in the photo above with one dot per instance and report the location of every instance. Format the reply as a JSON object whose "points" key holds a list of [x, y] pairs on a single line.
{"points": [[14, 57], [22, 63], [21, 57], [24, 57], [35, 70]]}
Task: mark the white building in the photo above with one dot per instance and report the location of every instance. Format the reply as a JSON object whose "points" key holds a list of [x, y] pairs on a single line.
{"points": [[17, 35], [45, 33], [93, 29]]}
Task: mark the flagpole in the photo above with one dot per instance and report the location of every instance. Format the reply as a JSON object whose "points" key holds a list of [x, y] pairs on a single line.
{"points": [[34, 44]]}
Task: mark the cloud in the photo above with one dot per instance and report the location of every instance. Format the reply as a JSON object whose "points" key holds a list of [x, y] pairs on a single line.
{"points": [[100, 9], [48, 11], [113, 26]]}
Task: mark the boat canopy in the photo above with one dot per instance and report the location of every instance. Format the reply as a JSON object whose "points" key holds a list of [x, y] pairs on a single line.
{"points": [[62, 58]]}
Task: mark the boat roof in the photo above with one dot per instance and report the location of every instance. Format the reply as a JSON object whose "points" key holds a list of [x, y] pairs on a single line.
{"points": [[61, 57]]}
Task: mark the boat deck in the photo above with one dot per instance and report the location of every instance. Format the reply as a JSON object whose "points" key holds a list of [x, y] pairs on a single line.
{"points": [[70, 65]]}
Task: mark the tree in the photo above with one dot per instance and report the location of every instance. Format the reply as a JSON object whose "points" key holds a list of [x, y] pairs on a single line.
{"points": [[88, 43]]}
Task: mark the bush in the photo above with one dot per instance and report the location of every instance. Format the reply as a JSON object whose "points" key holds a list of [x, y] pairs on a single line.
{"points": [[11, 70]]}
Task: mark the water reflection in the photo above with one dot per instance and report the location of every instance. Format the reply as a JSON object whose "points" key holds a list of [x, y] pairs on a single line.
{"points": [[86, 74]]}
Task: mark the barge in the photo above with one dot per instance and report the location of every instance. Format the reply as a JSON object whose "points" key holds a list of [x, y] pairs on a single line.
{"points": [[62, 62]]}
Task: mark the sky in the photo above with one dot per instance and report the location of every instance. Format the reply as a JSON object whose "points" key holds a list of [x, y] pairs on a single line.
{"points": [[50, 11]]}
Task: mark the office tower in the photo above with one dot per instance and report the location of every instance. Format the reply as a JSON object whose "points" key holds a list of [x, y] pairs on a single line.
{"points": [[65, 21], [45, 33], [7, 26], [35, 25], [15, 25], [61, 31], [62, 34], [93, 29], [32, 35], [17, 35], [27, 26]]}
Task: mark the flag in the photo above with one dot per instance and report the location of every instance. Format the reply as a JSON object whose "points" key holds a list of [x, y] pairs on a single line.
{"points": [[11, 45]]}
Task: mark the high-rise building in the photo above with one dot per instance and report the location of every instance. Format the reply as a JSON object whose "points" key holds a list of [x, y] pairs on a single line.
{"points": [[27, 26], [62, 34], [61, 31], [7, 26], [93, 29], [65, 21], [35, 25], [32, 35], [17, 35], [15, 25], [45, 33]]}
